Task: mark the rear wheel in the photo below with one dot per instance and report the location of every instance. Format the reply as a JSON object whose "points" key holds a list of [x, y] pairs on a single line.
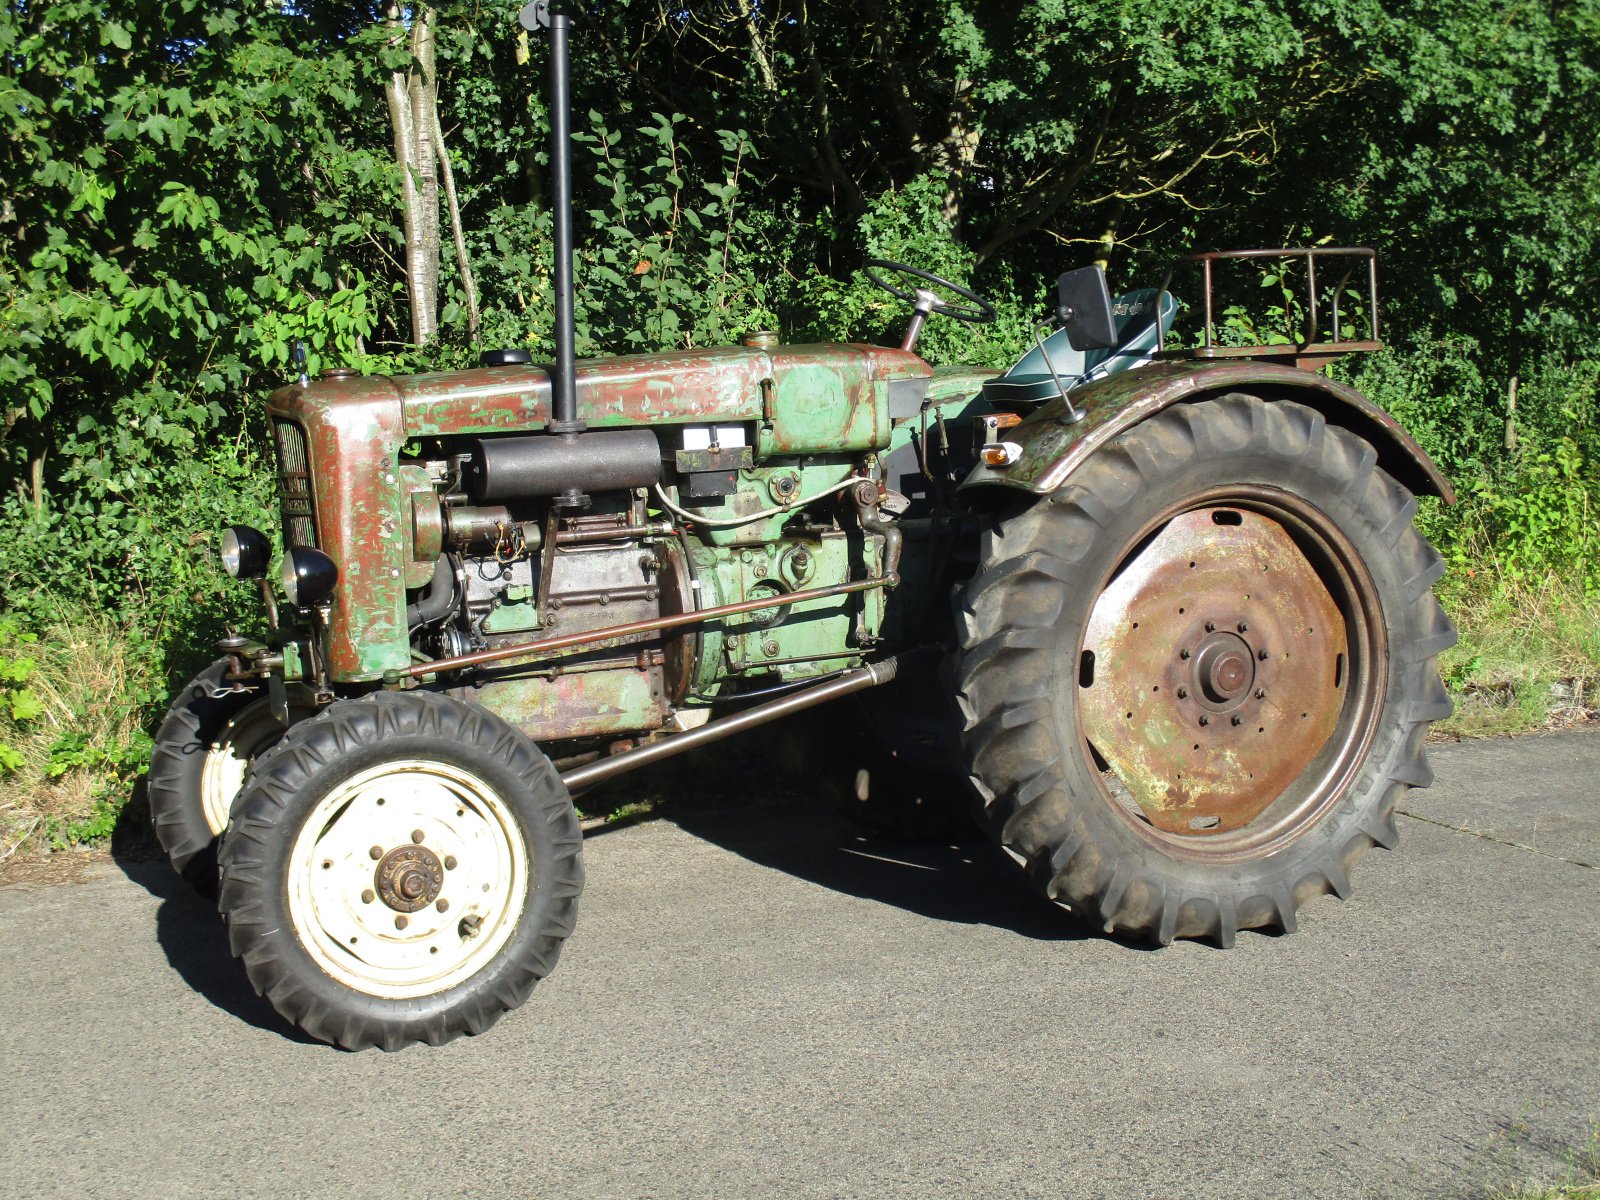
{"points": [[402, 868], [1198, 677]]}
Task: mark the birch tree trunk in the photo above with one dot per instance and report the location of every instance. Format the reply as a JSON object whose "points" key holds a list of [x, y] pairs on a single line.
{"points": [[413, 99]]}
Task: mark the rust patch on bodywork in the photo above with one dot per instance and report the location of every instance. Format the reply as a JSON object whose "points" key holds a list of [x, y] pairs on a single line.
{"points": [[1052, 448], [354, 432], [824, 398], [1213, 670]]}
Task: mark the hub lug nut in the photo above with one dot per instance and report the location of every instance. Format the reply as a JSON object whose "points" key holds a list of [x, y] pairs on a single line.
{"points": [[1261, 693], [1183, 693], [1243, 628], [375, 853], [1211, 626], [416, 836], [1205, 720], [1183, 654], [449, 862], [443, 905], [368, 896], [402, 921], [1238, 721], [1262, 655]]}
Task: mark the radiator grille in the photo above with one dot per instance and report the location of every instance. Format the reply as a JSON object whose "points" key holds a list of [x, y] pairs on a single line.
{"points": [[294, 484]]}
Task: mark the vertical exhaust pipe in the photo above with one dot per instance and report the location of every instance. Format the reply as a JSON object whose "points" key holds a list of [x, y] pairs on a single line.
{"points": [[564, 419]]}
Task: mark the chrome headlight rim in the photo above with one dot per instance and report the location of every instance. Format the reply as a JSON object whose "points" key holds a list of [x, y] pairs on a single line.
{"points": [[308, 576], [245, 552]]}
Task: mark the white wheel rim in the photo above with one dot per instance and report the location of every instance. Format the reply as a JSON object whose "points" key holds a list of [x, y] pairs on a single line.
{"points": [[341, 913], [228, 759]]}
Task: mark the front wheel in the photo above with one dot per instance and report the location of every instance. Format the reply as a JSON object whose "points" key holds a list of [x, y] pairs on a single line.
{"points": [[403, 867], [203, 751], [1198, 678]]}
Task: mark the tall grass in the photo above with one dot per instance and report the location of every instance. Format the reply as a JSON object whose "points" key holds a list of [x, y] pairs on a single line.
{"points": [[77, 738], [1529, 653]]}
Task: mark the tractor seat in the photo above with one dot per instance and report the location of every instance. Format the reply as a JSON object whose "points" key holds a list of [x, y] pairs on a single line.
{"points": [[1142, 320]]}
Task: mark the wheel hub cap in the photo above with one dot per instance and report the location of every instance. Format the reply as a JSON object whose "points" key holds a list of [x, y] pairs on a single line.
{"points": [[1224, 668], [409, 878], [1212, 672]]}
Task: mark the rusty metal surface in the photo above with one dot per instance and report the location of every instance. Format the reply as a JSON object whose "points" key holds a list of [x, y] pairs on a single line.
{"points": [[1359, 258], [872, 675], [409, 878], [354, 432], [827, 397], [807, 398], [615, 699], [1218, 672], [610, 632], [1052, 449]]}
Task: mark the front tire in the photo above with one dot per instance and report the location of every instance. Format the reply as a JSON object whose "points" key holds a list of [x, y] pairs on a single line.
{"points": [[402, 868], [1197, 678], [203, 751]]}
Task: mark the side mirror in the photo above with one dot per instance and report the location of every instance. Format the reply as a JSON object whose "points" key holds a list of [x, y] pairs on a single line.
{"points": [[1083, 309]]}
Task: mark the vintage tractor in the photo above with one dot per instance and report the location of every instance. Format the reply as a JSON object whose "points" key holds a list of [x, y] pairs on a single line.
{"points": [[1175, 601]]}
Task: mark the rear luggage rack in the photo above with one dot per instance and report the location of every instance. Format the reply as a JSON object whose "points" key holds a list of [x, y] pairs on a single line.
{"points": [[1303, 347]]}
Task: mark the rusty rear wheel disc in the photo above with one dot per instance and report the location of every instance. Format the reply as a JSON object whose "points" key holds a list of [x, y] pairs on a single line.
{"points": [[1228, 679]]}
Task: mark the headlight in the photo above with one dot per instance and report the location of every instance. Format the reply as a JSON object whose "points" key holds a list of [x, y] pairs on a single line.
{"points": [[308, 577], [245, 552]]}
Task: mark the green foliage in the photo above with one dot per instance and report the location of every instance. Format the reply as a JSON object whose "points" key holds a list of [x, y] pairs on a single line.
{"points": [[21, 703]]}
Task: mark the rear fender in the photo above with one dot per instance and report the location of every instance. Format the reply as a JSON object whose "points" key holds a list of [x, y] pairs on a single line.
{"points": [[1052, 449]]}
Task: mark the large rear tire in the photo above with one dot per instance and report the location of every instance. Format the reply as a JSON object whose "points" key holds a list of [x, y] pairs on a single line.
{"points": [[401, 868], [1198, 677]]}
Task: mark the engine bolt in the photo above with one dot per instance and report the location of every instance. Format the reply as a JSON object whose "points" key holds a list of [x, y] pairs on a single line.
{"points": [[376, 852], [1183, 693], [416, 836], [402, 921], [1204, 720], [1243, 628], [1238, 721], [449, 862], [443, 906], [368, 896], [1262, 655], [1211, 626]]}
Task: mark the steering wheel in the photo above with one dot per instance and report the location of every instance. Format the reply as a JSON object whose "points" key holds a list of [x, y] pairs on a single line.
{"points": [[925, 300]]}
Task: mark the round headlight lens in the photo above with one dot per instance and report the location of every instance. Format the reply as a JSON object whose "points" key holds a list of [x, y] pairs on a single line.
{"points": [[245, 552], [308, 576]]}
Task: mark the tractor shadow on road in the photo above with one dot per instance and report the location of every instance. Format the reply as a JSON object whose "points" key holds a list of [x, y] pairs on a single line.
{"points": [[192, 936], [966, 883], [738, 798]]}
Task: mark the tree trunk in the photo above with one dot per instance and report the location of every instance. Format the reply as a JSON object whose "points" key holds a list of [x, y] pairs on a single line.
{"points": [[413, 100]]}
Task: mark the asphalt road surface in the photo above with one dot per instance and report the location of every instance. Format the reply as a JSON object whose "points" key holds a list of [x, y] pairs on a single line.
{"points": [[765, 1003]]}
